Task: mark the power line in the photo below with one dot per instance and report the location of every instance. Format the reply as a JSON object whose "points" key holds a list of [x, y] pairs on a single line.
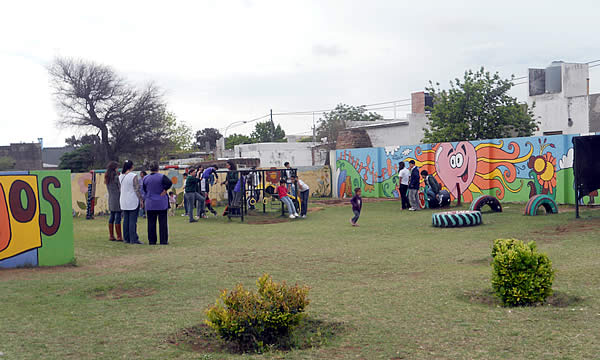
{"points": [[310, 112], [593, 66], [591, 62]]}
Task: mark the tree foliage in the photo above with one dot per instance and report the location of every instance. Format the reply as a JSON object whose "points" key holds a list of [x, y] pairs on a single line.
{"points": [[81, 159], [267, 132], [337, 119], [129, 121], [210, 135], [478, 107], [179, 135], [237, 139]]}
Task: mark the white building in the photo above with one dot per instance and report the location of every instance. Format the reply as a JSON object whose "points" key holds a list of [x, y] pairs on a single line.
{"points": [[560, 93], [275, 154]]}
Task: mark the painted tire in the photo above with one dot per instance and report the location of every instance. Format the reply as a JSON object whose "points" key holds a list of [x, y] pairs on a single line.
{"points": [[541, 200], [483, 200], [450, 219]]}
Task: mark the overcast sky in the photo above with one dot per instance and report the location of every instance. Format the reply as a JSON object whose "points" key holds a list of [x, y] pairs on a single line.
{"points": [[225, 61]]}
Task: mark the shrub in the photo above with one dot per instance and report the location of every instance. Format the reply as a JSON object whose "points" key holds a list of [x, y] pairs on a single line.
{"points": [[255, 320], [521, 275]]}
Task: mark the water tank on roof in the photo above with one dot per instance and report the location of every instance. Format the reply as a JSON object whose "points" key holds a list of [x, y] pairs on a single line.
{"points": [[553, 79]]}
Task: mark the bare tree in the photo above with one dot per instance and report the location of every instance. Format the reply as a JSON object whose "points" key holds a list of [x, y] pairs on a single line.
{"points": [[94, 96]]}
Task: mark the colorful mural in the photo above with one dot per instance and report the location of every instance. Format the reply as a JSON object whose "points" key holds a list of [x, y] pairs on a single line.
{"points": [[317, 178], [511, 169], [36, 224]]}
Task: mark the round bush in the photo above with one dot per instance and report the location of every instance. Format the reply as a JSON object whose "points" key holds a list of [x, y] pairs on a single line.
{"points": [[521, 275], [256, 319]]}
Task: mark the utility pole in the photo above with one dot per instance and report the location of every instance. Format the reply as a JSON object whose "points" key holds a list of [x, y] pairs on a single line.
{"points": [[314, 129]]}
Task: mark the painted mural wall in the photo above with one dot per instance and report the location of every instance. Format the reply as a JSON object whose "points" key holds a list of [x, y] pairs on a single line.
{"points": [[317, 178], [512, 169], [36, 223]]}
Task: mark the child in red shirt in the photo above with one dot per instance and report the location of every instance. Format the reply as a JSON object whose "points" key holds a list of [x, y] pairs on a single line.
{"points": [[283, 196]]}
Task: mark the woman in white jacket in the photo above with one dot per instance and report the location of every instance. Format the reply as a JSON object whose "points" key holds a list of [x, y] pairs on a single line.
{"points": [[131, 200]]}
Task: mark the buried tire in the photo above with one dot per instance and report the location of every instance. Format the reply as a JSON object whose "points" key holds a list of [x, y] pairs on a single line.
{"points": [[483, 200], [541, 200], [449, 219]]}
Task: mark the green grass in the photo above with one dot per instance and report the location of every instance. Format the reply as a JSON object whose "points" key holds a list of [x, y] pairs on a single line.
{"points": [[398, 287]]}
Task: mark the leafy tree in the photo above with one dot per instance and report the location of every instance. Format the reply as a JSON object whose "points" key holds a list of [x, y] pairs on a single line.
{"points": [[237, 139], [79, 160], [210, 135], [6, 163], [478, 107], [337, 119], [179, 134], [92, 96], [267, 132], [88, 139]]}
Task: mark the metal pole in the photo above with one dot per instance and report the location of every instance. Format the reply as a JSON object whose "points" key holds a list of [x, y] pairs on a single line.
{"points": [[314, 129], [575, 179]]}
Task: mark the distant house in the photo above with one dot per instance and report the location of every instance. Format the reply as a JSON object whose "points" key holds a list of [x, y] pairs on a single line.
{"points": [[27, 156], [51, 156]]}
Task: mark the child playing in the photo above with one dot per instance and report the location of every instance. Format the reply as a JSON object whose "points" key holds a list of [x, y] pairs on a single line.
{"points": [[356, 206], [283, 196], [172, 203]]}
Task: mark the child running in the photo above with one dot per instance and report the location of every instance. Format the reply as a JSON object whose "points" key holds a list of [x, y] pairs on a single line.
{"points": [[283, 196], [356, 202]]}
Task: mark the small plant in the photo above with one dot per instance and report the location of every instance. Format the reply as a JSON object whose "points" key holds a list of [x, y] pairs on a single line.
{"points": [[258, 320], [521, 275]]}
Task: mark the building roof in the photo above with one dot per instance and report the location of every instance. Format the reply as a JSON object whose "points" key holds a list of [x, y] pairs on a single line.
{"points": [[376, 124]]}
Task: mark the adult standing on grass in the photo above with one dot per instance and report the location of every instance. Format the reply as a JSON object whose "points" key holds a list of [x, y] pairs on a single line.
{"points": [[191, 193], [156, 186], [111, 179], [130, 201], [413, 186], [403, 177], [303, 190], [230, 181]]}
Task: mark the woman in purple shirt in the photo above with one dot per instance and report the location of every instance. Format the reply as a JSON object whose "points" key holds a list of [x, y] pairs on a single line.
{"points": [[157, 203]]}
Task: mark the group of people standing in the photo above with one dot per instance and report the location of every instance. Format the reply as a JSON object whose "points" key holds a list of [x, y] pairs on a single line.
{"points": [[128, 193], [410, 179]]}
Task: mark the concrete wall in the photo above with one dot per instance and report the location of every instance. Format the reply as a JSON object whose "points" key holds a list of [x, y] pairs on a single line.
{"points": [[594, 102], [27, 156], [553, 111], [511, 169], [275, 154], [37, 231], [318, 178]]}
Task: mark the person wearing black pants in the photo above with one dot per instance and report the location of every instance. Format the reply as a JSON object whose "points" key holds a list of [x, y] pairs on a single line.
{"points": [[156, 186], [403, 176], [303, 191]]}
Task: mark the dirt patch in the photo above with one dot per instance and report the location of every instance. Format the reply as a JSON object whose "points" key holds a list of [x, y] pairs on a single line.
{"points": [[548, 234], [487, 297], [120, 292], [483, 261], [26, 273], [311, 333]]}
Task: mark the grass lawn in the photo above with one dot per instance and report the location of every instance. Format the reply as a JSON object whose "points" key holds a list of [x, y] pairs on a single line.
{"points": [[397, 287]]}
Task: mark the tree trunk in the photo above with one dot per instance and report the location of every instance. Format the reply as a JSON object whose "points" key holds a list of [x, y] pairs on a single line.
{"points": [[107, 153]]}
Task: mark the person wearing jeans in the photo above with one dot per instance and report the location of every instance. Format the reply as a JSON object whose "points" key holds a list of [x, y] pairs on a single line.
{"points": [[284, 198], [192, 195], [130, 201], [303, 191], [413, 186], [111, 179], [156, 186]]}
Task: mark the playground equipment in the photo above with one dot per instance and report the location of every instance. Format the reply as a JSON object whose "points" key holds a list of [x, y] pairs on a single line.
{"points": [[449, 219], [260, 187], [540, 200], [483, 200]]}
